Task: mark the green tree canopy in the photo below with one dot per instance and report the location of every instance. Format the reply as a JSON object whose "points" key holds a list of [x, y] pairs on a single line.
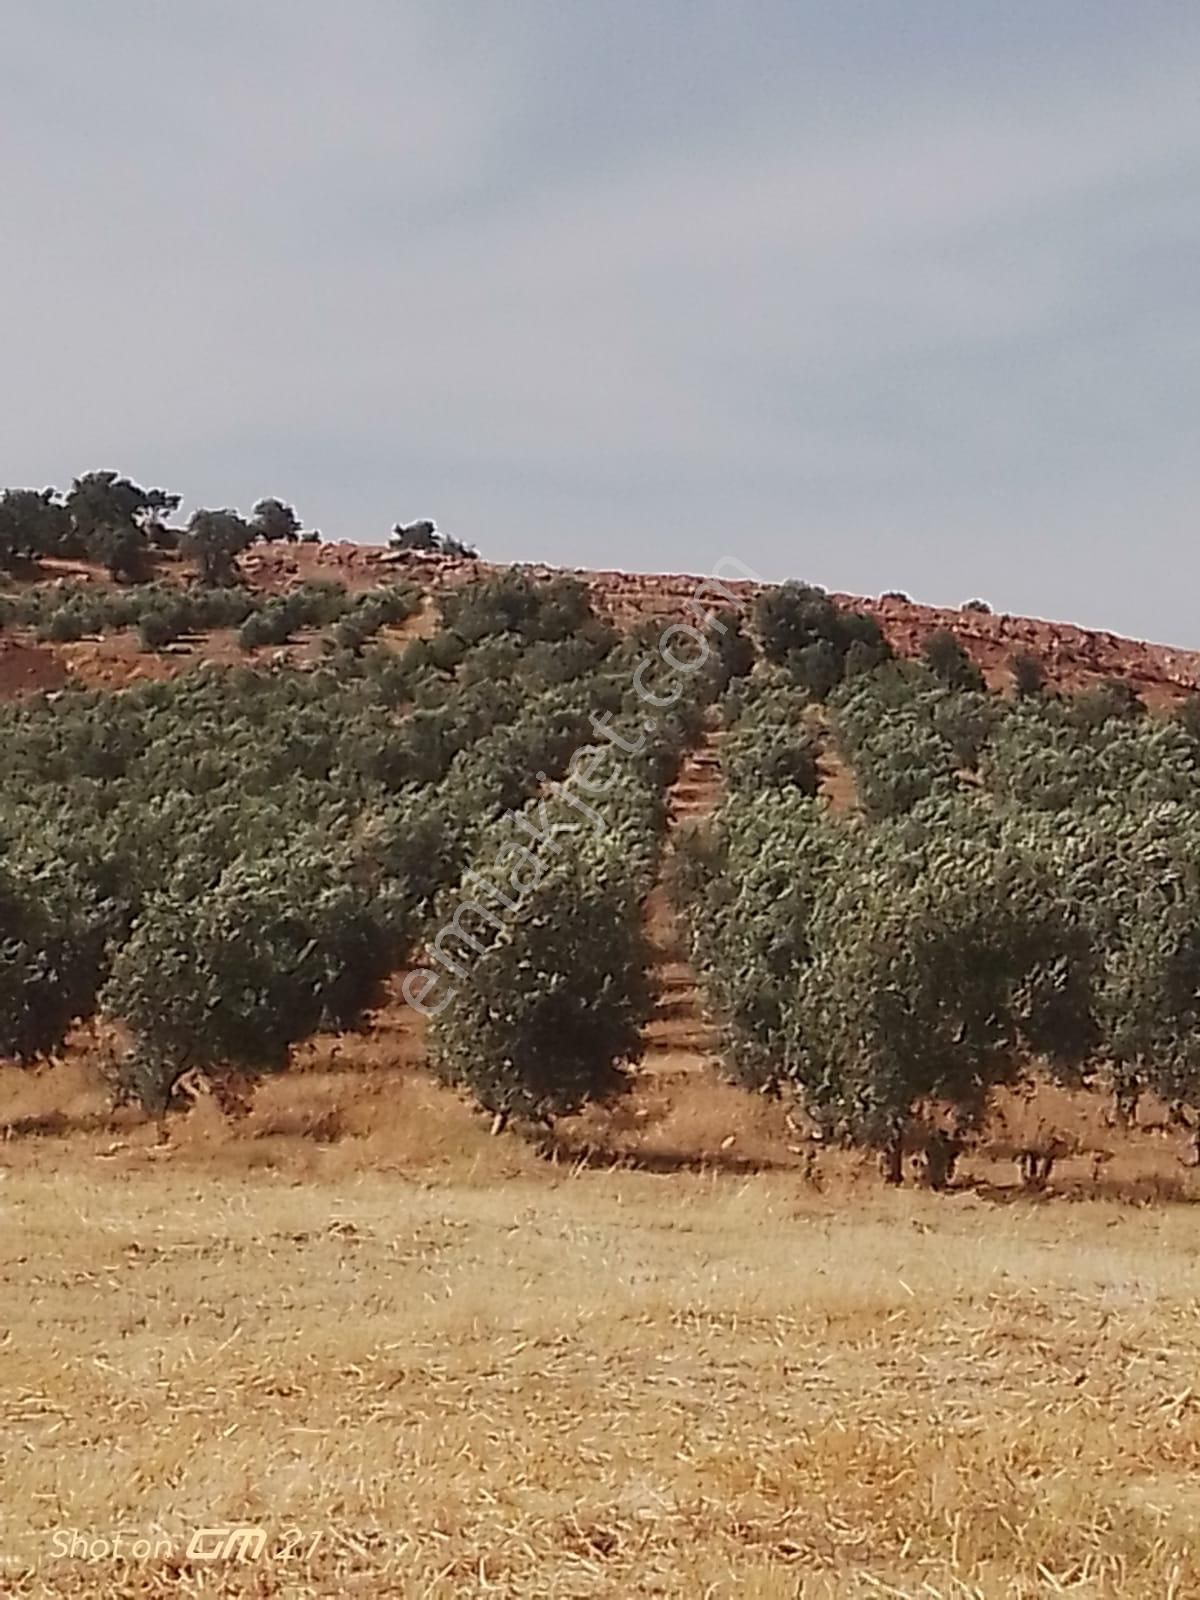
{"points": [[217, 538], [818, 641], [273, 520], [33, 523], [231, 978]]}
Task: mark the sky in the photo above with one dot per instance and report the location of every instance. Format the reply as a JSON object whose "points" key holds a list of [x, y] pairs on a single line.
{"points": [[888, 294]]}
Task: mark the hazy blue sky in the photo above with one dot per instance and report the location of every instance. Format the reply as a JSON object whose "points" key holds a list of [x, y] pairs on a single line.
{"points": [[881, 295]]}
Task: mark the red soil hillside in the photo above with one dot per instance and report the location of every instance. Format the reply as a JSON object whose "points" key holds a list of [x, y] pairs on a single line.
{"points": [[1071, 656]]}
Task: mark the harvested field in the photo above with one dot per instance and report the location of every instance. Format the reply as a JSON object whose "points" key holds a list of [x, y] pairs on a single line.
{"points": [[462, 1372]]}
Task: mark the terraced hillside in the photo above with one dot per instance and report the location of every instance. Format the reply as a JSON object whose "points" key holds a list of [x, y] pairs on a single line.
{"points": [[1072, 656]]}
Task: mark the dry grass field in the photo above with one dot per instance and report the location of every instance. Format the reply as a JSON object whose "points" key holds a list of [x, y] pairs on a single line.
{"points": [[426, 1363]]}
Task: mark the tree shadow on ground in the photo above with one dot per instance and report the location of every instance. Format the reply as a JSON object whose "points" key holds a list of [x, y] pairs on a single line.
{"points": [[664, 1160]]}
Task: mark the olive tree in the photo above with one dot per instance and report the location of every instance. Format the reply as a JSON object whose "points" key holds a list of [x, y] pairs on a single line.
{"points": [[49, 960], [550, 963], [116, 521], [759, 757], [33, 523], [230, 979], [1135, 872], [903, 738], [512, 602], [273, 520], [1028, 674], [942, 958], [746, 885], [945, 657], [818, 641], [216, 539]]}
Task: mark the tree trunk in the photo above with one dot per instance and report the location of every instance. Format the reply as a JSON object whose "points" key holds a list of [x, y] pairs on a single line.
{"points": [[893, 1159], [941, 1158], [1128, 1093]]}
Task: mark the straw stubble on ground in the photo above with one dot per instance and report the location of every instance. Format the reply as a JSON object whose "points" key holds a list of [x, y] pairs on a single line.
{"points": [[600, 1383]]}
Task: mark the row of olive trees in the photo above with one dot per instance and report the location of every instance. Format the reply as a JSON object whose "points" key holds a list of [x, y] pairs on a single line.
{"points": [[228, 861], [163, 613], [915, 956], [876, 970], [909, 733], [538, 983]]}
